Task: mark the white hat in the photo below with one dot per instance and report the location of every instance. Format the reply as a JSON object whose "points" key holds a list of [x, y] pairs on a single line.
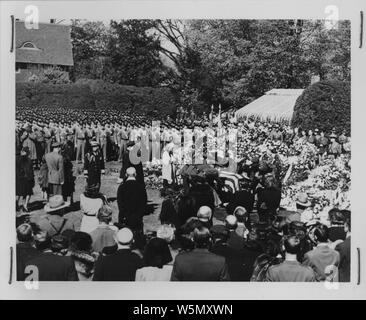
{"points": [[204, 214], [124, 236], [56, 203], [231, 220]]}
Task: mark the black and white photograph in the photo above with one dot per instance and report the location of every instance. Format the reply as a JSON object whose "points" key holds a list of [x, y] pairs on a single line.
{"points": [[182, 149]]}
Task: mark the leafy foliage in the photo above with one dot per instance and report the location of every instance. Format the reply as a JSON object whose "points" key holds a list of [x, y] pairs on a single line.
{"points": [[324, 105], [51, 75]]}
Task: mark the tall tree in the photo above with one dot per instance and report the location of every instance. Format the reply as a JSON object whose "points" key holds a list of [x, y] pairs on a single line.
{"points": [[133, 54]]}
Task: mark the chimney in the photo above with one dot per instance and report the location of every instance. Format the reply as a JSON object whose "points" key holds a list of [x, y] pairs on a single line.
{"points": [[52, 20]]}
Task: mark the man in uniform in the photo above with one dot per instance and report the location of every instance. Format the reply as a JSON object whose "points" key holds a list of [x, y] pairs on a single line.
{"points": [[94, 164], [55, 165], [80, 141]]}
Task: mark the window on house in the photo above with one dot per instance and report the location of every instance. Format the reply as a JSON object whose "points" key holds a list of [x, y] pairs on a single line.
{"points": [[29, 45]]}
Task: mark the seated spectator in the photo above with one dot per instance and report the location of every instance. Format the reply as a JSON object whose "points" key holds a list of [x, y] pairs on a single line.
{"points": [[104, 234], [336, 230], [241, 216], [83, 255], [271, 256], [290, 270], [323, 259], [25, 249], [234, 240], [51, 264], [344, 250], [157, 257], [204, 215], [185, 233], [168, 214], [54, 222], [122, 265], [90, 203], [167, 233], [200, 264]]}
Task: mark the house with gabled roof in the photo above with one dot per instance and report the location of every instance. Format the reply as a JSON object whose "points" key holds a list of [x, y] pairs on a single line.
{"points": [[38, 49]]}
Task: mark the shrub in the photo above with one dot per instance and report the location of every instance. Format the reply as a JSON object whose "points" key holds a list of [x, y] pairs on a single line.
{"points": [[97, 94], [324, 105]]}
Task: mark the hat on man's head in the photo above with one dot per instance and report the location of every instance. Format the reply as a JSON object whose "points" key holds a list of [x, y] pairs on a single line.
{"points": [[302, 200], [56, 203], [124, 236], [316, 130], [231, 221], [204, 214]]}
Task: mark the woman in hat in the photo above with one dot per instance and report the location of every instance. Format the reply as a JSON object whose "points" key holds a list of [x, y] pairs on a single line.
{"points": [[24, 177], [84, 257], [28, 139], [90, 203]]}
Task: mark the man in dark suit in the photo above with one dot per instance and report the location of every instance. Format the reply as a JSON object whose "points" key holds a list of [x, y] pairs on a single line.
{"points": [[344, 250], [269, 198], [243, 198], [55, 165], [240, 262], [200, 264], [50, 264], [122, 265], [131, 199]]}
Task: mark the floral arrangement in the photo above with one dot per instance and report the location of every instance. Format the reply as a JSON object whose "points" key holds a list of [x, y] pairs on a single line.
{"points": [[152, 174]]}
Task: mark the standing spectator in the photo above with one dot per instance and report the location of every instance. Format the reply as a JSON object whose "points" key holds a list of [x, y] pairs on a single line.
{"points": [[157, 257], [122, 265], [55, 165], [28, 139], [322, 259], [24, 177], [80, 142], [270, 197], [344, 250], [131, 199], [90, 203], [68, 186], [334, 149], [200, 264], [290, 270], [94, 164]]}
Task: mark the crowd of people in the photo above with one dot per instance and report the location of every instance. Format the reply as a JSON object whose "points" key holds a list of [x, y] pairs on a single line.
{"points": [[207, 232]]}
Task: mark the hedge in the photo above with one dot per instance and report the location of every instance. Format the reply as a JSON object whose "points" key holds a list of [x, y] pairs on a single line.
{"points": [[97, 94], [324, 105]]}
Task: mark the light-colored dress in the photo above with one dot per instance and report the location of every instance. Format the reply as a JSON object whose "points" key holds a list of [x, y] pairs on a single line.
{"points": [[89, 207], [154, 273]]}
